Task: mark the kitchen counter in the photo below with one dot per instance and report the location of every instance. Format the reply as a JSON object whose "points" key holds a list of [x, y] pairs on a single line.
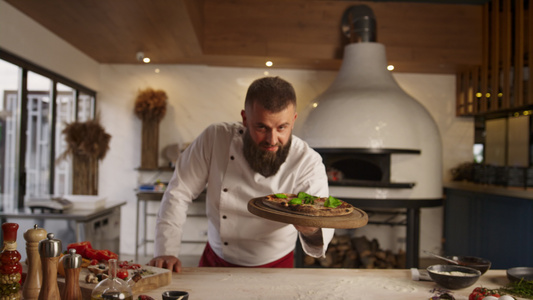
{"points": [[477, 217], [513, 192], [303, 283]]}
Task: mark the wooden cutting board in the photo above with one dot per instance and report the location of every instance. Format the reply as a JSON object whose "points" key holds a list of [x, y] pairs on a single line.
{"points": [[358, 218], [159, 278]]}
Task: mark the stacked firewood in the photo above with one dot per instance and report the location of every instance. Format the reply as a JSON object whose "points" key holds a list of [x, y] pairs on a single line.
{"points": [[345, 251]]}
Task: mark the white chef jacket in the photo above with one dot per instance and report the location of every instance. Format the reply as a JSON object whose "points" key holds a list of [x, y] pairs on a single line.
{"points": [[216, 159]]}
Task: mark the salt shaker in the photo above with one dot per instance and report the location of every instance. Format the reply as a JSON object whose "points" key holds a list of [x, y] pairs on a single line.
{"points": [[34, 278], [72, 265], [49, 251]]}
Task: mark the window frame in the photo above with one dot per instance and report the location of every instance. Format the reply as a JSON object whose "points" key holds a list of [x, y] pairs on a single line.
{"points": [[25, 67]]}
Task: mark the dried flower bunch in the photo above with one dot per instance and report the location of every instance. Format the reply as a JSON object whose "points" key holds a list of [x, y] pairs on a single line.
{"points": [[151, 104], [86, 139]]}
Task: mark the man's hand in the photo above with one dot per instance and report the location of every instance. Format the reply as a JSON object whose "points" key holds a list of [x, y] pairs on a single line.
{"points": [[307, 231], [312, 235], [168, 262]]}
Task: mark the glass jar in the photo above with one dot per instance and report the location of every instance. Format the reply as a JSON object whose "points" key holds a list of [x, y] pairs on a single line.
{"points": [[10, 268], [112, 287]]}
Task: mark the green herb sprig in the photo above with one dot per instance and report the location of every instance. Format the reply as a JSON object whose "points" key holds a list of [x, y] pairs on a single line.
{"points": [[522, 288]]}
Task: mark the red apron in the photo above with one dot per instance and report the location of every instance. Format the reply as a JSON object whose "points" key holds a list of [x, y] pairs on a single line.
{"points": [[210, 259]]}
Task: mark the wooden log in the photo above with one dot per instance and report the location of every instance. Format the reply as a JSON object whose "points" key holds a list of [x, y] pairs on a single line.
{"points": [[362, 246], [309, 260]]}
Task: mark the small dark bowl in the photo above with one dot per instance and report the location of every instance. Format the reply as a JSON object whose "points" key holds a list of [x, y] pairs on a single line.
{"points": [[172, 295], [478, 263], [520, 273], [443, 276]]}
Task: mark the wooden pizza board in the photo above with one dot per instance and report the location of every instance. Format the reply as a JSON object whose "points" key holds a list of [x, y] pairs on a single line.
{"points": [[160, 277], [358, 218]]}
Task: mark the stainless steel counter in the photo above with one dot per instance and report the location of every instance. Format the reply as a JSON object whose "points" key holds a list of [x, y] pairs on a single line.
{"points": [[302, 283], [100, 226]]}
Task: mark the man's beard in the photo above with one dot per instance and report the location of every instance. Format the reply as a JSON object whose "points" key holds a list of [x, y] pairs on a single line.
{"points": [[266, 163]]}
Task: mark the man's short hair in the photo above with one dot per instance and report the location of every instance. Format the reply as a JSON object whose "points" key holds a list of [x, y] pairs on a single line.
{"points": [[272, 93]]}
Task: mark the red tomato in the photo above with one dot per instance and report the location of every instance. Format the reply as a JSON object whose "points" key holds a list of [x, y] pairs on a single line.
{"points": [[122, 274], [93, 262], [80, 247], [480, 293], [90, 253], [106, 255], [126, 265]]}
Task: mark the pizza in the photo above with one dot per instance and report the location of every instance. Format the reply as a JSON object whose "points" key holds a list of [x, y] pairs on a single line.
{"points": [[308, 205]]}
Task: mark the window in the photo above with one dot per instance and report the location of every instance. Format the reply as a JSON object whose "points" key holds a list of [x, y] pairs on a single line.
{"points": [[31, 139]]}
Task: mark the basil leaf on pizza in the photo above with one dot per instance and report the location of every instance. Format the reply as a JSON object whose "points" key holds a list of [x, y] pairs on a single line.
{"points": [[308, 205], [332, 202]]}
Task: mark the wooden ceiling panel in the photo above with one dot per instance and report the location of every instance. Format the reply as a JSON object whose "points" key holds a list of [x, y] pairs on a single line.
{"points": [[301, 34]]}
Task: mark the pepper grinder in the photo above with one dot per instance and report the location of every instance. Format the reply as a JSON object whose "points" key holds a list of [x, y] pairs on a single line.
{"points": [[49, 250], [34, 278], [72, 265]]}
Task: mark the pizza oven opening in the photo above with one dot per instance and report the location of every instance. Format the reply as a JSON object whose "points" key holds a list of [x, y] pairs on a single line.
{"points": [[361, 169], [353, 167]]}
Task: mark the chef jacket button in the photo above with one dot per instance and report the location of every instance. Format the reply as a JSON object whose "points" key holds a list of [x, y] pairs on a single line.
{"points": [[225, 243], [224, 217], [232, 157], [241, 131], [225, 190]]}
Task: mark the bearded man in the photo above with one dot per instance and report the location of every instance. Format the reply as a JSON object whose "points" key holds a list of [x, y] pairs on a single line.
{"points": [[236, 162]]}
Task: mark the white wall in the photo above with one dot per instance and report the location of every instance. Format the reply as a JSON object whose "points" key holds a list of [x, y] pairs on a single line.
{"points": [[199, 95]]}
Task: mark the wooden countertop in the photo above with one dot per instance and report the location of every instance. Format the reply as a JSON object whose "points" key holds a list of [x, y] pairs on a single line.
{"points": [[304, 283]]}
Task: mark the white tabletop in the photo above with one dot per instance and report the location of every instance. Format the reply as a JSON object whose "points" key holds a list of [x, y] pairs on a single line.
{"points": [[305, 283]]}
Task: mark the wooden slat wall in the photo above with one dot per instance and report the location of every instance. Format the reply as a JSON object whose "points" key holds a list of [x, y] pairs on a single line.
{"points": [[519, 54], [484, 81], [529, 33], [500, 83], [506, 53], [494, 54]]}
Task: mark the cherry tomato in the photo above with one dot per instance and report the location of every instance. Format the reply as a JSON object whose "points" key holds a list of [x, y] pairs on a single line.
{"points": [[126, 265], [93, 262], [122, 274], [480, 293]]}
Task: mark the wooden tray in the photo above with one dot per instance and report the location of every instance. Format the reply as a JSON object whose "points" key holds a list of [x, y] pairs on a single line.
{"points": [[160, 277], [354, 220]]}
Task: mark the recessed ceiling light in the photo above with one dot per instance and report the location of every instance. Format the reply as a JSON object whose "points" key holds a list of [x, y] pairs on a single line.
{"points": [[390, 67], [146, 60], [269, 63]]}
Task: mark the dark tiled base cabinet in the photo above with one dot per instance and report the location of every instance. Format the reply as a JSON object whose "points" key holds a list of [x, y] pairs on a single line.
{"points": [[496, 225]]}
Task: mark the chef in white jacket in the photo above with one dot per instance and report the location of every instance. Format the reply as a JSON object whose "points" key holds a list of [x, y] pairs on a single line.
{"points": [[237, 162]]}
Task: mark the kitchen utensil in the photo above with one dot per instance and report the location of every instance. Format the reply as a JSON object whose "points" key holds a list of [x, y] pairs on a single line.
{"points": [[49, 250], [442, 257], [453, 277], [34, 277], [175, 295], [519, 273], [477, 263], [72, 265]]}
